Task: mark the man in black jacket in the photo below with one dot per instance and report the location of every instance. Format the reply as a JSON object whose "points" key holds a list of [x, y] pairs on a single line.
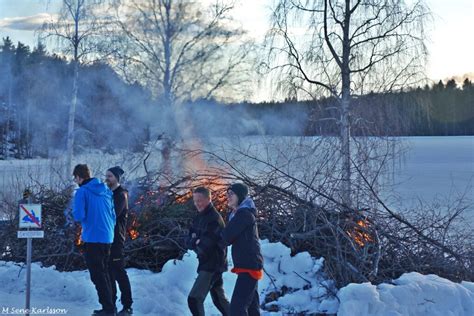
{"points": [[203, 237], [117, 270]]}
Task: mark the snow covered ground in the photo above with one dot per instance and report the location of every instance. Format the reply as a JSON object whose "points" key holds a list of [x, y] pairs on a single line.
{"points": [[307, 290], [412, 294]]}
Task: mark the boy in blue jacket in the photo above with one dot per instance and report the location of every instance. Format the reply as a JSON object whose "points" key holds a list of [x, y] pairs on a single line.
{"points": [[94, 209]]}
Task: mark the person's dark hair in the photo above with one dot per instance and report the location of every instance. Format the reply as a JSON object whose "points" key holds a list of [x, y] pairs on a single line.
{"points": [[82, 171], [204, 191]]}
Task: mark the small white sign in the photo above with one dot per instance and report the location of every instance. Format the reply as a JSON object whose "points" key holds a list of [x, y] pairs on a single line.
{"points": [[30, 234], [30, 216]]}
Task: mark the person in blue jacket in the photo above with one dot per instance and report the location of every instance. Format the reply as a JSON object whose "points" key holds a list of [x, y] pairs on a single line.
{"points": [[94, 209]]}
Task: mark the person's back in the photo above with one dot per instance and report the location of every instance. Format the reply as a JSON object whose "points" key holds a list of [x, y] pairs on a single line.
{"points": [[94, 209]]}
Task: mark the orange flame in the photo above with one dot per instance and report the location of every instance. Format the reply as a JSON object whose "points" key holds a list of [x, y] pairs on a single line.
{"points": [[360, 234], [207, 176], [78, 238], [217, 188], [132, 231]]}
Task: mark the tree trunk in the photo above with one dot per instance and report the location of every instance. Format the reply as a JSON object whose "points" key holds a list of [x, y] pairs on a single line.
{"points": [[8, 121], [72, 109], [345, 111], [72, 116]]}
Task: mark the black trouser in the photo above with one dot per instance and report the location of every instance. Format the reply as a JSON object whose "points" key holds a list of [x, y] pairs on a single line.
{"points": [[117, 273], [97, 259], [245, 300], [208, 282]]}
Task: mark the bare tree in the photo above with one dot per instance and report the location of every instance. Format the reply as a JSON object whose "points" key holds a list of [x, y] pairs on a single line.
{"points": [[182, 50], [344, 48], [77, 32]]}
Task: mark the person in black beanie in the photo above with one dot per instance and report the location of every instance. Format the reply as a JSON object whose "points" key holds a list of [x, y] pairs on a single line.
{"points": [[117, 270], [242, 233]]}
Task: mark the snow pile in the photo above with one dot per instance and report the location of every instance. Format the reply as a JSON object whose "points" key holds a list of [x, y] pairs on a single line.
{"points": [[412, 294], [298, 282], [295, 284], [290, 285]]}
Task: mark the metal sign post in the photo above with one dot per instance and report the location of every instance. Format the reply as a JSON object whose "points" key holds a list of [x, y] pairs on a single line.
{"points": [[29, 217]]}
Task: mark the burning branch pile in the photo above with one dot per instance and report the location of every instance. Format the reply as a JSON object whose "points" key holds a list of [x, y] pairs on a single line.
{"points": [[366, 242]]}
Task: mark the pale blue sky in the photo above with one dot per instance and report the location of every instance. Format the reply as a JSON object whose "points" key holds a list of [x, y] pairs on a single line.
{"points": [[451, 44]]}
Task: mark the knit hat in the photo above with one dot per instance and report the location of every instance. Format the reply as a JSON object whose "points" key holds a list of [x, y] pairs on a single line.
{"points": [[117, 172], [241, 190]]}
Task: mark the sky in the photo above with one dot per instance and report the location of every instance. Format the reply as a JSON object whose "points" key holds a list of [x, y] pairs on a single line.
{"points": [[450, 43]]}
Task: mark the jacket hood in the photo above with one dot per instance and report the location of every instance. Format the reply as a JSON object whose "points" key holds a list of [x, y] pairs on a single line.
{"points": [[249, 204], [96, 187]]}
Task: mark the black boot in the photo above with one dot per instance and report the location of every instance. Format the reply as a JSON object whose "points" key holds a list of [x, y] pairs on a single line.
{"points": [[103, 312], [126, 312]]}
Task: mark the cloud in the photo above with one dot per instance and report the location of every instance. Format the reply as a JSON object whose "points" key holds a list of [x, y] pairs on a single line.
{"points": [[25, 23]]}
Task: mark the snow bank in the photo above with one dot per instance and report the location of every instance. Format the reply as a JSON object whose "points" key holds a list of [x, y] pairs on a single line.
{"points": [[299, 280], [165, 293], [290, 285], [412, 294]]}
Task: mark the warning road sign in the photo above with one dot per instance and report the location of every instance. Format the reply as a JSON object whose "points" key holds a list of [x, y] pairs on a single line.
{"points": [[30, 216]]}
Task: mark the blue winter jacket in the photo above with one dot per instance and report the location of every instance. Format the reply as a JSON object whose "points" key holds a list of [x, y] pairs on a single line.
{"points": [[94, 209]]}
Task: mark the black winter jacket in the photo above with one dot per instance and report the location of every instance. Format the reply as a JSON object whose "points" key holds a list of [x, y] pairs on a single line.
{"points": [[241, 232], [207, 227], [121, 213]]}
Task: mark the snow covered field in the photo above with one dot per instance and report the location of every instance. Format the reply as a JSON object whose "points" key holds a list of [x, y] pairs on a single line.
{"points": [[436, 168], [309, 291], [432, 168]]}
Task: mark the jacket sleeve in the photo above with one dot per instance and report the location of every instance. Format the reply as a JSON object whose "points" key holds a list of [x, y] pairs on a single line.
{"points": [[241, 220], [121, 204], [190, 241], [114, 216], [79, 211]]}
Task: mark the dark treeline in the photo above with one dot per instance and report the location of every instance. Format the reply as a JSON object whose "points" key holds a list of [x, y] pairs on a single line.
{"points": [[36, 89], [35, 94], [438, 110]]}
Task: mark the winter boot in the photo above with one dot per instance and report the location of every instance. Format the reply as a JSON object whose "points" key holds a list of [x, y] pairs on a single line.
{"points": [[126, 312], [103, 312]]}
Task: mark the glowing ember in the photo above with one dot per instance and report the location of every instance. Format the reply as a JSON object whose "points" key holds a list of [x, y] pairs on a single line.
{"points": [[132, 230], [78, 239], [184, 198], [360, 234]]}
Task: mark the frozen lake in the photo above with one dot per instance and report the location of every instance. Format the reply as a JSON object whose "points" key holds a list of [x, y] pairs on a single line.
{"points": [[432, 168], [436, 167]]}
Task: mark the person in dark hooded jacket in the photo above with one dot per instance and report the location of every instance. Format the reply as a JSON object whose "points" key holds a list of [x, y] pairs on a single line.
{"points": [[94, 209], [204, 235], [117, 272], [242, 233]]}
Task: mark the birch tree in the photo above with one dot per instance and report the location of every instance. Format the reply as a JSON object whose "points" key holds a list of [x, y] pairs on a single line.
{"points": [[346, 48], [182, 51], [77, 31]]}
